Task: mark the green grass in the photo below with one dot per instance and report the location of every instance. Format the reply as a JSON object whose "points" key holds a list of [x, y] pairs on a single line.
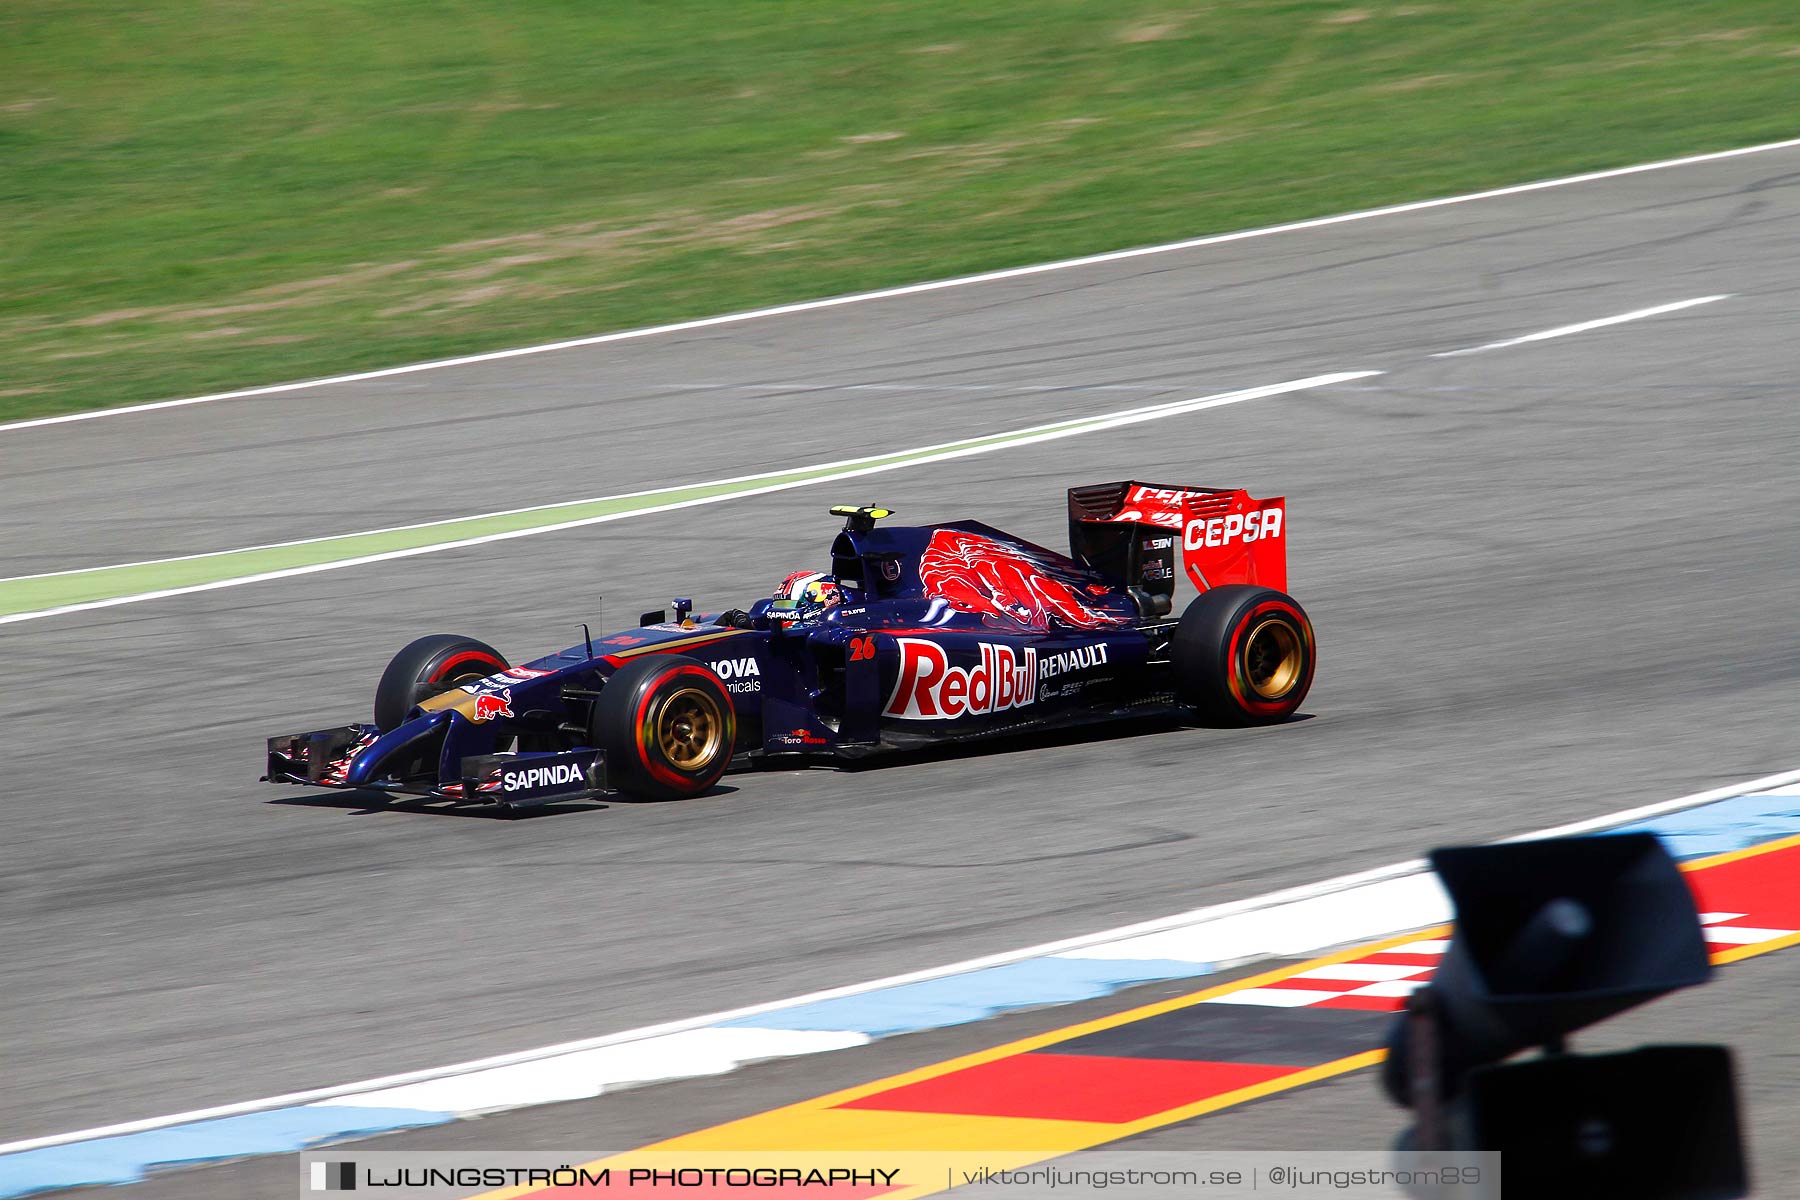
{"points": [[213, 194]]}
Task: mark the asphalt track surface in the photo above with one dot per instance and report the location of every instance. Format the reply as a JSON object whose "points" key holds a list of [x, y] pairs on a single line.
{"points": [[1550, 581], [1348, 1112]]}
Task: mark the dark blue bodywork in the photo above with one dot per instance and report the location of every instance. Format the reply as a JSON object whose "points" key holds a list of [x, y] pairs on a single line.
{"points": [[945, 633]]}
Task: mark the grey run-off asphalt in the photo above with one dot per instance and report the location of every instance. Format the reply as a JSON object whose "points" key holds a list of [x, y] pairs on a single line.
{"points": [[1550, 581]]}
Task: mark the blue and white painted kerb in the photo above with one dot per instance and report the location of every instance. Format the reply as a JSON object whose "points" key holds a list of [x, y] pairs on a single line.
{"points": [[1300, 921], [127, 1158]]}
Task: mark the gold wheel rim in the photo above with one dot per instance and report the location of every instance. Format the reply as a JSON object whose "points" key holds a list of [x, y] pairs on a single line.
{"points": [[1273, 658], [690, 728]]}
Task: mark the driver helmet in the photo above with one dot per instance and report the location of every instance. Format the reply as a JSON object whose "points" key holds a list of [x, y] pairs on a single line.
{"points": [[804, 596]]}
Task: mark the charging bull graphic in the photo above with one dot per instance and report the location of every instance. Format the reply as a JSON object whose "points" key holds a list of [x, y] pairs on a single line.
{"points": [[492, 704], [978, 574]]}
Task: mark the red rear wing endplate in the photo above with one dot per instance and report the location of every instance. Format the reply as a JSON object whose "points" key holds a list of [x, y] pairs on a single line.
{"points": [[1226, 535]]}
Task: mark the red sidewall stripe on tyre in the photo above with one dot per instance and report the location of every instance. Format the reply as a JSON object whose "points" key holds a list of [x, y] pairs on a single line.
{"points": [[457, 660], [649, 755], [1234, 678]]}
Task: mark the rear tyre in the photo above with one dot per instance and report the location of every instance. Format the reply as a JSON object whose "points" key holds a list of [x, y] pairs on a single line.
{"points": [[428, 667], [1244, 655], [667, 725]]}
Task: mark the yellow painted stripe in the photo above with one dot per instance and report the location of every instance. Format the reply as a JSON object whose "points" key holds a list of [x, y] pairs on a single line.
{"points": [[1117, 1019], [1733, 954], [1719, 860], [813, 1124], [1255, 1091], [1739, 953]]}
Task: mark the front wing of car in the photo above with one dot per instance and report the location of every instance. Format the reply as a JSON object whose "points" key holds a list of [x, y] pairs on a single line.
{"points": [[322, 758]]}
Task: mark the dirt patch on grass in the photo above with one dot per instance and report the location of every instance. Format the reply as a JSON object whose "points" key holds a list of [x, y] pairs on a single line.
{"points": [[1151, 31], [1712, 36], [492, 267], [982, 156], [1419, 83], [452, 301], [1200, 139], [358, 276], [112, 318], [734, 231]]}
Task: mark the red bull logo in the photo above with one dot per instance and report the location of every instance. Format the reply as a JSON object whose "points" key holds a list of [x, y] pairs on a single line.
{"points": [[930, 689], [978, 574], [492, 704]]}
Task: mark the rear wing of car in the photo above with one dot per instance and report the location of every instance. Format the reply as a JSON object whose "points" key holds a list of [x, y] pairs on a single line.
{"points": [[1135, 532]]}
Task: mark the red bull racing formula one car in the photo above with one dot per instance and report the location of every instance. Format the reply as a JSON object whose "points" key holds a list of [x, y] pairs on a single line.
{"points": [[917, 636]]}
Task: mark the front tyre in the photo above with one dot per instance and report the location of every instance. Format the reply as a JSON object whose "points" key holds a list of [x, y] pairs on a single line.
{"points": [[428, 667], [667, 725], [1244, 655]]}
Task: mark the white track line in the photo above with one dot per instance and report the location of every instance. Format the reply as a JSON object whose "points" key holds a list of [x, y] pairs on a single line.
{"points": [[1565, 330], [1006, 440], [1196, 916], [1121, 416], [1632, 816], [914, 289]]}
